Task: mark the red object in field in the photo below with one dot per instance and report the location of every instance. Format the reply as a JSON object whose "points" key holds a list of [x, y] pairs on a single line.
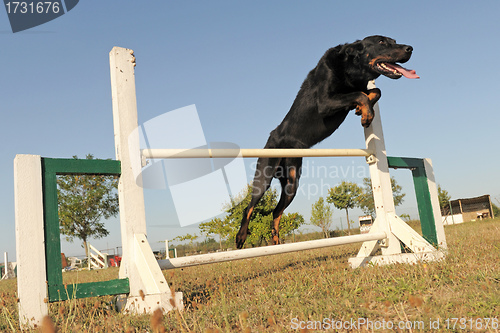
{"points": [[64, 262], [114, 261]]}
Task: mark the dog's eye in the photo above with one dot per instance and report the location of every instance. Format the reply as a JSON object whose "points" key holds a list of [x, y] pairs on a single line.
{"points": [[381, 42]]}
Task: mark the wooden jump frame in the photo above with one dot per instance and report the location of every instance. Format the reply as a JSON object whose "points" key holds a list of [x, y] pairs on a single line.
{"points": [[40, 279]]}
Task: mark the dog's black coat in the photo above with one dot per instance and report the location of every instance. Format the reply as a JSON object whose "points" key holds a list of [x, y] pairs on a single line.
{"points": [[335, 86]]}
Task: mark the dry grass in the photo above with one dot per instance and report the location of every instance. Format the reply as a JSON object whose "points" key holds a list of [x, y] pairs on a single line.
{"points": [[269, 294]]}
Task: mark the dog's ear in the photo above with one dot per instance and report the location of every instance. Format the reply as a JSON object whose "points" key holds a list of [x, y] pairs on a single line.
{"points": [[353, 51]]}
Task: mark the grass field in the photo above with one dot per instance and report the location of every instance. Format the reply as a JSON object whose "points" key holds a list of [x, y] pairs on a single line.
{"points": [[312, 290]]}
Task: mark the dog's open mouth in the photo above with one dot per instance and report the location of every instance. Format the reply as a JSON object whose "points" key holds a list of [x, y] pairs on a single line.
{"points": [[396, 70]]}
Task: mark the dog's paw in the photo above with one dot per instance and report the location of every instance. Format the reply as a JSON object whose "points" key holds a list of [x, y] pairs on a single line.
{"points": [[240, 239], [367, 119]]}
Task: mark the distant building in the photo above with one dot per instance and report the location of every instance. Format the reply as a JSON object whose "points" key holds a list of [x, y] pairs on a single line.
{"points": [[465, 210]]}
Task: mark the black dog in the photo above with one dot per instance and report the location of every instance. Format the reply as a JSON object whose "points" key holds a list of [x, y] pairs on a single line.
{"points": [[337, 85]]}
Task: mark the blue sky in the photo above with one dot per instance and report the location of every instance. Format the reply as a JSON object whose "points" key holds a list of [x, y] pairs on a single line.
{"points": [[242, 64]]}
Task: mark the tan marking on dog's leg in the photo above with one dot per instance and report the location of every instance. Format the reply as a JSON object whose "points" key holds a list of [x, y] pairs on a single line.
{"points": [[371, 96], [275, 230], [250, 211]]}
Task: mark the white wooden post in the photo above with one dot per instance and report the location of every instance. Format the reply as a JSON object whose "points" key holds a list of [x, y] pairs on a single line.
{"points": [[6, 265], [30, 249], [387, 220], [381, 186], [148, 287], [167, 255], [89, 259]]}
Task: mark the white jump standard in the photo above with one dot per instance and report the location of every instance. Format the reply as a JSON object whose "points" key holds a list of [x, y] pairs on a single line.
{"points": [[141, 278], [129, 153]]}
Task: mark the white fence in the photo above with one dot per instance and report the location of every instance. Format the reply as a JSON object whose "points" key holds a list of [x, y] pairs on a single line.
{"points": [[453, 219], [96, 258]]}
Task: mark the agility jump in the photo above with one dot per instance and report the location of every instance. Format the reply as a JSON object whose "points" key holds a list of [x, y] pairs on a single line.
{"points": [[140, 276]]}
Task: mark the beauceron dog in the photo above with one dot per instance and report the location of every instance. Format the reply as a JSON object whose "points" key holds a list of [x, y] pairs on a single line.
{"points": [[335, 86]]}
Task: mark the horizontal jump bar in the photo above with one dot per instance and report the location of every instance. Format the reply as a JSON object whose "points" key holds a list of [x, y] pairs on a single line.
{"points": [[211, 258], [232, 153]]}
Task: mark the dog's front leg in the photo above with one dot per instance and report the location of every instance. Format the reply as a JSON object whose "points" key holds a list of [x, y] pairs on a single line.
{"points": [[365, 109], [361, 101]]}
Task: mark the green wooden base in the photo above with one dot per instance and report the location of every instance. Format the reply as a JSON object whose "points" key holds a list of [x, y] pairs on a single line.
{"points": [[91, 289], [57, 291], [416, 165]]}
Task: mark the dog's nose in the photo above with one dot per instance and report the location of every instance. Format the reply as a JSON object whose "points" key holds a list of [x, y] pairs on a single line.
{"points": [[409, 49]]}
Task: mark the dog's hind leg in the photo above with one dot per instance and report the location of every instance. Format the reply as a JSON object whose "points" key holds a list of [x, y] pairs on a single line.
{"points": [[264, 174], [289, 186]]}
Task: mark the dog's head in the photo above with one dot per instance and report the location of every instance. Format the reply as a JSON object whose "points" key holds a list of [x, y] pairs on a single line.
{"points": [[380, 55]]}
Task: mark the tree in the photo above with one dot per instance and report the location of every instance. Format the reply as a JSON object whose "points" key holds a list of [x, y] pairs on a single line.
{"points": [[290, 222], [321, 216], [84, 200], [405, 217], [260, 223], [366, 202], [345, 196], [189, 237], [218, 227], [444, 201], [495, 208]]}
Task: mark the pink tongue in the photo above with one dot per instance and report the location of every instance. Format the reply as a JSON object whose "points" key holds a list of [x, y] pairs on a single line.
{"points": [[409, 73]]}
